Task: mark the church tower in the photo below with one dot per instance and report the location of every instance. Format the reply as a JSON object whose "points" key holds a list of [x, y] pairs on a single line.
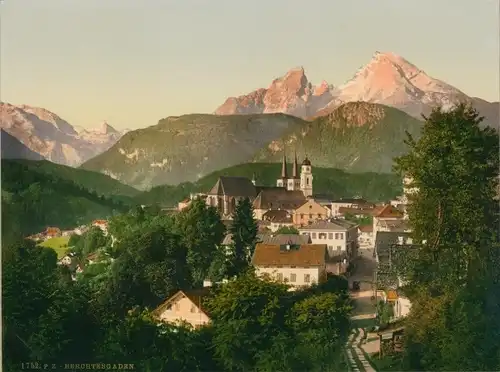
{"points": [[283, 181], [294, 182], [306, 178]]}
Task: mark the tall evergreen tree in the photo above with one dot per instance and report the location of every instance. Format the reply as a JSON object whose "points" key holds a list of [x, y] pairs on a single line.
{"points": [[244, 233], [454, 215]]}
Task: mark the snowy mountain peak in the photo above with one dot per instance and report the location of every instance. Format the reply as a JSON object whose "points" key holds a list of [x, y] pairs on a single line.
{"points": [[105, 128], [52, 137]]}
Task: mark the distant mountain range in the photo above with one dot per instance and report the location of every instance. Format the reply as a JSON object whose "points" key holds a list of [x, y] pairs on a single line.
{"points": [[387, 79], [53, 138], [358, 126], [13, 149]]}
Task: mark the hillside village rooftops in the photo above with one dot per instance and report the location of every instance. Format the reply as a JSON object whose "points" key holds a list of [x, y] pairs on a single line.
{"points": [[332, 225], [297, 255]]}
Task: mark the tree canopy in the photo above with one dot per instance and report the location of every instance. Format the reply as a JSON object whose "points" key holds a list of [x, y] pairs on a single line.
{"points": [[454, 323]]}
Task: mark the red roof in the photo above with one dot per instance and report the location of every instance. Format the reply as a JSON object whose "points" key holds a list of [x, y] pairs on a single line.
{"points": [[100, 222], [387, 211], [366, 228]]}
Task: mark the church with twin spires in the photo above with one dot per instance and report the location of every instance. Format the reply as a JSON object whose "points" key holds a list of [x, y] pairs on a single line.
{"points": [[302, 182]]}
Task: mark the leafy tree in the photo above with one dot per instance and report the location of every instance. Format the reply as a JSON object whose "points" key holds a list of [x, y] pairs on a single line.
{"points": [[244, 313], [244, 233], [287, 230], [454, 216], [321, 326], [202, 232], [151, 267]]}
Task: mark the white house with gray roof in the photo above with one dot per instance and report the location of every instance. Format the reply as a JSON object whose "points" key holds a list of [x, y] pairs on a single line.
{"points": [[340, 236]]}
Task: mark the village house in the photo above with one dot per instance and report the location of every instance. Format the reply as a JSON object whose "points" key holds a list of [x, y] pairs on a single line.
{"points": [[184, 306], [183, 204], [309, 212], [102, 224], [67, 260], [340, 236], [277, 219], [81, 230], [365, 236], [67, 233], [387, 218], [297, 265], [386, 243], [52, 232], [351, 203], [354, 212]]}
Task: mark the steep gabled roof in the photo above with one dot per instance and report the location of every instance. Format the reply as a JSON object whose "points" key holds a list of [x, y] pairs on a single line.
{"points": [[196, 296], [233, 186], [301, 255]]}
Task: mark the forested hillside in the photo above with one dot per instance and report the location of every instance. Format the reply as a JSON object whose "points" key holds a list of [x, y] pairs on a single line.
{"points": [[33, 200]]}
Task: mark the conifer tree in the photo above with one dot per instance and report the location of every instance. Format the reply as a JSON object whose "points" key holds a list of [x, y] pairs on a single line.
{"points": [[244, 233]]}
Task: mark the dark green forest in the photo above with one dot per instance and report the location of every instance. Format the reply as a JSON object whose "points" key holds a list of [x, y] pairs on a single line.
{"points": [[33, 200]]}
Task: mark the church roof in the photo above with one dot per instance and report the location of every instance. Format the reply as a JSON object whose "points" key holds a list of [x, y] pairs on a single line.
{"points": [[233, 186], [306, 161], [274, 198]]}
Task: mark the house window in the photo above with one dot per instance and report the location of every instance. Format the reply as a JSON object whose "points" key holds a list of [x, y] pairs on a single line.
{"points": [[330, 247], [169, 307], [193, 308], [339, 248], [310, 216], [307, 278], [336, 235], [302, 216], [314, 235], [293, 278], [280, 277], [341, 236], [330, 235], [177, 307]]}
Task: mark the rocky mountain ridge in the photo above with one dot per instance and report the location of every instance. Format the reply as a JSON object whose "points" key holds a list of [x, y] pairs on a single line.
{"points": [[356, 136], [45, 133], [387, 79]]}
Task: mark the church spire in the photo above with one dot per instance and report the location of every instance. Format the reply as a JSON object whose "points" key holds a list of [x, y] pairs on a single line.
{"points": [[295, 170], [284, 173]]}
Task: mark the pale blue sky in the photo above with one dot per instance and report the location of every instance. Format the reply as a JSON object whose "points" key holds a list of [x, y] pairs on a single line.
{"points": [[134, 62]]}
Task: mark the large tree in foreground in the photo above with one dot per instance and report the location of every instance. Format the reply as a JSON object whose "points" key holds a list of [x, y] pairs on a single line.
{"points": [[454, 215]]}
